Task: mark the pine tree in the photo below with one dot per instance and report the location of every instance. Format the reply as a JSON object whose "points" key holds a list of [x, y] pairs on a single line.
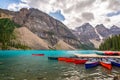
{"points": [[6, 31], [112, 43]]}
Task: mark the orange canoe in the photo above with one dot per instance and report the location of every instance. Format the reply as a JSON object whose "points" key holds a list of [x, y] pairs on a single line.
{"points": [[106, 65]]}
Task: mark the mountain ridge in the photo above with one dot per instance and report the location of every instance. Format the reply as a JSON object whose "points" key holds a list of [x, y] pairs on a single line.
{"points": [[44, 26], [91, 35]]}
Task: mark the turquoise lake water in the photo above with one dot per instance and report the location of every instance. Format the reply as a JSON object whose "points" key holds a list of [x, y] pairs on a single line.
{"points": [[21, 65]]}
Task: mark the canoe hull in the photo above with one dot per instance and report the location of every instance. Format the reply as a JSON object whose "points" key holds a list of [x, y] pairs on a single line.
{"points": [[91, 65], [115, 63], [62, 58], [111, 53], [70, 60], [37, 54], [80, 61], [106, 65], [53, 58]]}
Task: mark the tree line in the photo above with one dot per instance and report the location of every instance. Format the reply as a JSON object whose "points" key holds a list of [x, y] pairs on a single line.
{"points": [[7, 35], [112, 43]]}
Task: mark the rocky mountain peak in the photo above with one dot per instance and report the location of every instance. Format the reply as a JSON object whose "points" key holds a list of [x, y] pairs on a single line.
{"points": [[102, 30], [114, 27], [85, 33], [115, 30], [100, 26], [87, 24], [21, 16], [24, 11], [85, 27]]}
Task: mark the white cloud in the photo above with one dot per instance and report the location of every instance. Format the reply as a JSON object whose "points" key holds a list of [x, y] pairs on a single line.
{"points": [[16, 7], [73, 10], [12, 7], [25, 1]]}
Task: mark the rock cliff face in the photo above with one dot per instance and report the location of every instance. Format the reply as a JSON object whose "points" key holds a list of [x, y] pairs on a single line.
{"points": [[45, 27], [102, 30]]}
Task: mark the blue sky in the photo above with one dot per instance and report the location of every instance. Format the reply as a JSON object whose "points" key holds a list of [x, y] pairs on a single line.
{"points": [[4, 3], [57, 15], [113, 14]]}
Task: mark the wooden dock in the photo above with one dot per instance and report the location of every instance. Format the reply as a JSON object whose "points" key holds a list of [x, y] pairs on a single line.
{"points": [[95, 56]]}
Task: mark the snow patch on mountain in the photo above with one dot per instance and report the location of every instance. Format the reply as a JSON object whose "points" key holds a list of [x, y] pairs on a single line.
{"points": [[101, 38]]}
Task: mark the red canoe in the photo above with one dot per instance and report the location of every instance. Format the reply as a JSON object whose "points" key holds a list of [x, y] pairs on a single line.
{"points": [[118, 53], [109, 53], [62, 58], [106, 65], [37, 54], [71, 60], [77, 61]]}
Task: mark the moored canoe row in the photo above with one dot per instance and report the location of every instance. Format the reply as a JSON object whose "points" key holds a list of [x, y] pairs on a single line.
{"points": [[73, 60], [69, 60], [90, 63], [108, 53]]}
